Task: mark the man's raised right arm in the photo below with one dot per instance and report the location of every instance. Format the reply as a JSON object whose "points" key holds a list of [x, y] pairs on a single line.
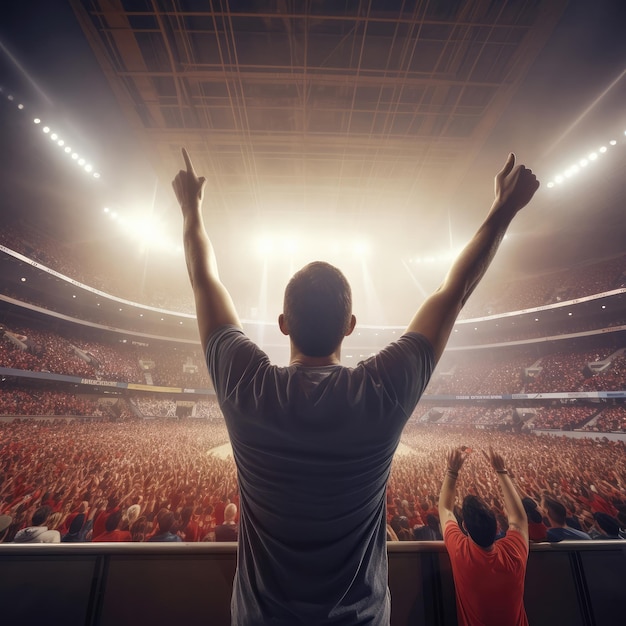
{"points": [[514, 188], [214, 305]]}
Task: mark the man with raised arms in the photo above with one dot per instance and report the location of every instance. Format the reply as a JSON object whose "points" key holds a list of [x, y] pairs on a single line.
{"points": [[313, 442]]}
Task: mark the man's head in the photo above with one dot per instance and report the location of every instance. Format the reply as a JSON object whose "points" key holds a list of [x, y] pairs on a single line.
{"points": [[230, 512], [41, 515], [317, 311], [480, 521], [555, 511]]}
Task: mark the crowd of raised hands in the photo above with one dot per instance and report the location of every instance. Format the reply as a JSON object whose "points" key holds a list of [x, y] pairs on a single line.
{"points": [[143, 468]]}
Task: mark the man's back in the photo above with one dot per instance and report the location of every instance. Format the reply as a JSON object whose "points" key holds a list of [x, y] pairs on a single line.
{"points": [[489, 583], [313, 447]]}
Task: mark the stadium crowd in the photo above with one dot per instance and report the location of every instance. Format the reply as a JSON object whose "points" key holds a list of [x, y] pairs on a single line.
{"points": [[173, 480]]}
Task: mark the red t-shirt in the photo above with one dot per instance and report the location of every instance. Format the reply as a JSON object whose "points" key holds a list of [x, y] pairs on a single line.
{"points": [[114, 536], [489, 584]]}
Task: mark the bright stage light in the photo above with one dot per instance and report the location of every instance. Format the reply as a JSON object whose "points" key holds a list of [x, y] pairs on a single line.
{"points": [[45, 129], [54, 136], [550, 185], [558, 179], [37, 121], [603, 149], [264, 245], [88, 168], [60, 142], [360, 248], [67, 149], [74, 155], [583, 162], [20, 106], [96, 175], [593, 156], [81, 162], [613, 142]]}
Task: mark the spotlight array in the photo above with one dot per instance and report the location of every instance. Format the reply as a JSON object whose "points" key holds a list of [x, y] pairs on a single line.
{"points": [[80, 161], [581, 164], [61, 143]]}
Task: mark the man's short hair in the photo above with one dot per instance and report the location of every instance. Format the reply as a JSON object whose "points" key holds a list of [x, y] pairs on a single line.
{"points": [[41, 515], [318, 308], [230, 512], [480, 521], [607, 523], [556, 511], [166, 522]]}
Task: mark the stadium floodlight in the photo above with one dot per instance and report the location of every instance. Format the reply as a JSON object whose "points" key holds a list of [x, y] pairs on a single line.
{"points": [[360, 248], [265, 245]]}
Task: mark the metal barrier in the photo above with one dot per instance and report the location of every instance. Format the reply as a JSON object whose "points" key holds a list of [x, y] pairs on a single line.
{"points": [[570, 583]]}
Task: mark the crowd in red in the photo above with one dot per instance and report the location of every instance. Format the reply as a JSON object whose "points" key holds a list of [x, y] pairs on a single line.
{"points": [[134, 474]]}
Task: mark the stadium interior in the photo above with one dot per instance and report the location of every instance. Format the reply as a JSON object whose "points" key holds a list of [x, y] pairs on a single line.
{"points": [[366, 133]]}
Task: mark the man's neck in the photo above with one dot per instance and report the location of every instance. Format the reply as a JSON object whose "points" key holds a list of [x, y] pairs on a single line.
{"points": [[298, 358]]}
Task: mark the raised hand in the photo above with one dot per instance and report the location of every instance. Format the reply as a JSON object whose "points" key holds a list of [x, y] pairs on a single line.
{"points": [[515, 186], [188, 187], [456, 458], [495, 460]]}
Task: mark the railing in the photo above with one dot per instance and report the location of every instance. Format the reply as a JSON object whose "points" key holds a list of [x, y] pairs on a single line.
{"points": [[570, 583]]}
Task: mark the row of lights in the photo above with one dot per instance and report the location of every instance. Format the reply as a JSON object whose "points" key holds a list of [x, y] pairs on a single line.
{"points": [[77, 158], [582, 163]]}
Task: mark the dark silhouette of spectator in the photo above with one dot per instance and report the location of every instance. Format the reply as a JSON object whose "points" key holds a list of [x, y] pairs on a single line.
{"points": [[557, 516], [430, 531], [228, 531], [38, 531], [608, 526], [165, 523], [112, 534]]}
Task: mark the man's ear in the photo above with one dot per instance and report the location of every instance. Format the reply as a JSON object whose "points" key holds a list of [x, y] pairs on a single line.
{"points": [[282, 324], [351, 326]]}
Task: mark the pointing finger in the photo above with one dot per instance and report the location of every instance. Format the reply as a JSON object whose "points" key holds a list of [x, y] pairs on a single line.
{"points": [[188, 162]]}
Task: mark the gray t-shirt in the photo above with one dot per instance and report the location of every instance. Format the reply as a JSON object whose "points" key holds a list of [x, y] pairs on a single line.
{"points": [[313, 448]]}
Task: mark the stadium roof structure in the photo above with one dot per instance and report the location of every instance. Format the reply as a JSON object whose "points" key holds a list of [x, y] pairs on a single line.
{"points": [[317, 107]]}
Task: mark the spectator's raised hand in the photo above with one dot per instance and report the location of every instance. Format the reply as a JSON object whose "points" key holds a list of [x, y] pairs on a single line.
{"points": [[515, 186], [188, 187], [495, 460], [456, 458]]}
